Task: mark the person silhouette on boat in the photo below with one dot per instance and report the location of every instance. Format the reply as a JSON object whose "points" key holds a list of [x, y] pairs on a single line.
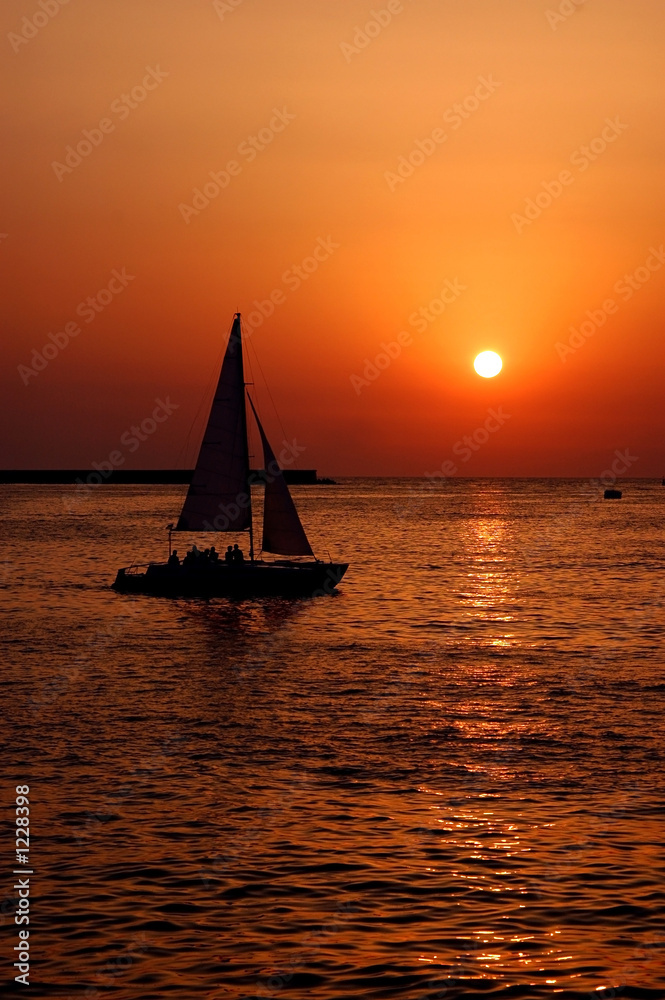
{"points": [[193, 557], [213, 555], [228, 555], [238, 555], [174, 560]]}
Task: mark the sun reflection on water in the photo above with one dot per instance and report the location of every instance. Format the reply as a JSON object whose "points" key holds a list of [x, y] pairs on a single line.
{"points": [[450, 763], [491, 581]]}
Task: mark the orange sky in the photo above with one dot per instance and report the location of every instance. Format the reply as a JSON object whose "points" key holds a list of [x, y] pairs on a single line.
{"points": [[340, 113]]}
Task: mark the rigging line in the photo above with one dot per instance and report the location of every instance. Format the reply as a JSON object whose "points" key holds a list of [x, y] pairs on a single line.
{"points": [[209, 389], [265, 380], [251, 444], [204, 397]]}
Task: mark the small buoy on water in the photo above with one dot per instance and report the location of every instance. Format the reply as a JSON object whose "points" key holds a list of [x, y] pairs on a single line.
{"points": [[612, 494]]}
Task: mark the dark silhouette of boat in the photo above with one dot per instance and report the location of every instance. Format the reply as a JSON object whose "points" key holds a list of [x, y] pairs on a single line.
{"points": [[612, 494], [220, 500]]}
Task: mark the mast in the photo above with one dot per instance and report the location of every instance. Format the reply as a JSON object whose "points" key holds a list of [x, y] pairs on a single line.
{"points": [[245, 431], [219, 497]]}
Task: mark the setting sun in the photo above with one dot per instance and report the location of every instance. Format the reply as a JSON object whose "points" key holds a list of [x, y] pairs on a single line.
{"points": [[488, 364]]}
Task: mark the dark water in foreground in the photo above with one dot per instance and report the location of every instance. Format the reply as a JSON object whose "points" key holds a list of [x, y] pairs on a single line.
{"points": [[445, 781]]}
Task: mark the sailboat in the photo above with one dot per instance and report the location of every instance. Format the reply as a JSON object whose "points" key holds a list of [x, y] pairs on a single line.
{"points": [[219, 499]]}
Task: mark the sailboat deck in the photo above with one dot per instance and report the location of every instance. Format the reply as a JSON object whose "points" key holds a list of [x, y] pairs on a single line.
{"points": [[220, 579]]}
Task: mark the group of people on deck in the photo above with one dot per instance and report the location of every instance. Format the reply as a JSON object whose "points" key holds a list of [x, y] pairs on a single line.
{"points": [[233, 556]]}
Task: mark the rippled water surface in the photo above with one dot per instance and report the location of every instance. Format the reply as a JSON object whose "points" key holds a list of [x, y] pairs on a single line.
{"points": [[446, 780]]}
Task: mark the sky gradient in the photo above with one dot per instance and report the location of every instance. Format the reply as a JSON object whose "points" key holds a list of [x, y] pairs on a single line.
{"points": [[396, 190]]}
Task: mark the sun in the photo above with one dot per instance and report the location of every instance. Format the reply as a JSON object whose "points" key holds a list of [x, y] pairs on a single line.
{"points": [[488, 364]]}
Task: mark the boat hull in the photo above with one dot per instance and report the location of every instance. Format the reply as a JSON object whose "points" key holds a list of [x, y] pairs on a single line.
{"points": [[282, 578]]}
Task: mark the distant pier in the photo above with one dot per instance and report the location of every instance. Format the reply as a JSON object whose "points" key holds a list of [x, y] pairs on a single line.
{"points": [[305, 477]]}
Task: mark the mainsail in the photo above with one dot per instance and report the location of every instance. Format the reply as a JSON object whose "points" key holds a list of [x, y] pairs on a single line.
{"points": [[219, 497], [283, 532]]}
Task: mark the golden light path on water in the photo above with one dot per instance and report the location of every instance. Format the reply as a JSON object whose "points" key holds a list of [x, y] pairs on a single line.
{"points": [[445, 778]]}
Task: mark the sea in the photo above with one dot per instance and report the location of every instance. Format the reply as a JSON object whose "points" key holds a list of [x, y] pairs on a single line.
{"points": [[444, 780]]}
